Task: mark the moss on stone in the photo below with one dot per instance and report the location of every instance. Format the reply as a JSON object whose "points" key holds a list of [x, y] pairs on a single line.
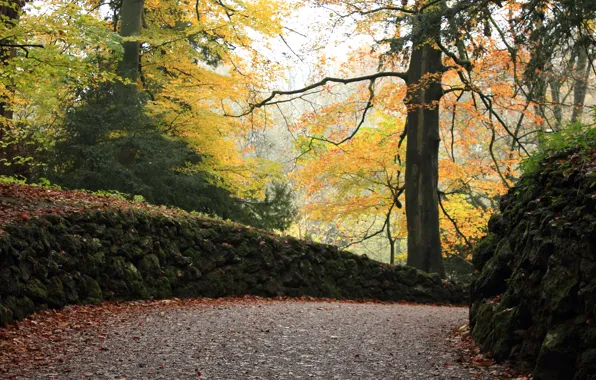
{"points": [[36, 290], [122, 255], [6, 315], [92, 291], [56, 296], [149, 265], [20, 306], [8, 280], [534, 290]]}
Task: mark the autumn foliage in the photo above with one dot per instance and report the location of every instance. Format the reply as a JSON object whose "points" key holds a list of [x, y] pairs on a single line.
{"points": [[219, 123]]}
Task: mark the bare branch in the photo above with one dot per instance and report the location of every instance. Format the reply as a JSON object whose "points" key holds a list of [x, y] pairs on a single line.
{"points": [[453, 222], [366, 237], [286, 121], [324, 81], [492, 155], [453, 126], [293, 31], [368, 107], [289, 47], [462, 62], [362, 12]]}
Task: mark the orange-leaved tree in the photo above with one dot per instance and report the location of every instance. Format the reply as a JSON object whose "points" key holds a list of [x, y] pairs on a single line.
{"points": [[356, 186], [433, 47]]}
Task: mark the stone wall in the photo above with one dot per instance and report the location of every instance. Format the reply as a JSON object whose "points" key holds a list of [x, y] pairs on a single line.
{"points": [[534, 294], [118, 254]]}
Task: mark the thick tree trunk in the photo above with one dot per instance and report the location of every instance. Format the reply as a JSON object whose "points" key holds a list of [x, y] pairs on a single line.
{"points": [[422, 159], [131, 17], [10, 15]]}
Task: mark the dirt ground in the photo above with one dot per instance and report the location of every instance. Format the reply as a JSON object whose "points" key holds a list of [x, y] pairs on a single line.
{"points": [[245, 340]]}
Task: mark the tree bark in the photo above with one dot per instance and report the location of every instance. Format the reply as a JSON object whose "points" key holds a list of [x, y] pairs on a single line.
{"points": [[555, 91], [131, 17], [581, 83], [539, 99], [391, 240], [10, 14], [422, 154]]}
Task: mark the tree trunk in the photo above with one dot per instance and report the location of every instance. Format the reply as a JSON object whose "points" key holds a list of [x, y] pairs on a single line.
{"points": [[555, 91], [539, 99], [131, 17], [422, 155], [391, 240], [581, 83], [10, 14]]}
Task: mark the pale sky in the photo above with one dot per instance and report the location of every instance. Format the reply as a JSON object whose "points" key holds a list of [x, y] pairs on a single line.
{"points": [[308, 26]]}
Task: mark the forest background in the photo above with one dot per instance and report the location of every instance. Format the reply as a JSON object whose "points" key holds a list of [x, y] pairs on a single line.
{"points": [[292, 116]]}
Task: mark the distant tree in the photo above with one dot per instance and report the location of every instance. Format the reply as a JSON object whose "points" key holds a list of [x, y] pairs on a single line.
{"points": [[105, 146], [447, 48], [275, 212], [420, 26]]}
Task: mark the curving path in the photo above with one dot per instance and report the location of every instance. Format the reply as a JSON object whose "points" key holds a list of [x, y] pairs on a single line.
{"points": [[262, 340]]}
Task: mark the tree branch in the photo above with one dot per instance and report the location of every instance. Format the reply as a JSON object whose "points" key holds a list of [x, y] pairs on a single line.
{"points": [[324, 81], [362, 12], [368, 107], [21, 46], [453, 222]]}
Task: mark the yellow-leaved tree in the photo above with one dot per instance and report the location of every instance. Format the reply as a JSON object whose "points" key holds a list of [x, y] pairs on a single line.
{"points": [[188, 63], [196, 60], [357, 187]]}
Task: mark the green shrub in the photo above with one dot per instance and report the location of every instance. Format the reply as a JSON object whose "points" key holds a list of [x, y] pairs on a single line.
{"points": [[575, 136]]}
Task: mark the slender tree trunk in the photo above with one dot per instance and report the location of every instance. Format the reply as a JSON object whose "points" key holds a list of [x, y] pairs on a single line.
{"points": [[422, 154], [555, 91], [131, 17], [581, 83], [391, 240], [539, 98]]}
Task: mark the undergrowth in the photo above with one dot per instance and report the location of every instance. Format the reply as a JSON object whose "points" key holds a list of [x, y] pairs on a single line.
{"points": [[45, 183], [577, 136]]}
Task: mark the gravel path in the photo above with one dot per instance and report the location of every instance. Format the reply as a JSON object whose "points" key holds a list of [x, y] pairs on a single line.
{"points": [[272, 340]]}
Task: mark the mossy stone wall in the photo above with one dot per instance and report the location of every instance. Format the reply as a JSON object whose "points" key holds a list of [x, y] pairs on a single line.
{"points": [[534, 294], [52, 261]]}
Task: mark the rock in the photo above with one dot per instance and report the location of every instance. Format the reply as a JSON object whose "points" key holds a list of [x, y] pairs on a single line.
{"points": [[91, 290], [130, 254], [6, 315], [56, 296], [557, 356], [533, 295], [36, 290], [69, 285], [150, 266], [8, 280]]}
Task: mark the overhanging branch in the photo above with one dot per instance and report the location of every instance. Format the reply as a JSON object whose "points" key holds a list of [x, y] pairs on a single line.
{"points": [[372, 78], [25, 47], [453, 222]]}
